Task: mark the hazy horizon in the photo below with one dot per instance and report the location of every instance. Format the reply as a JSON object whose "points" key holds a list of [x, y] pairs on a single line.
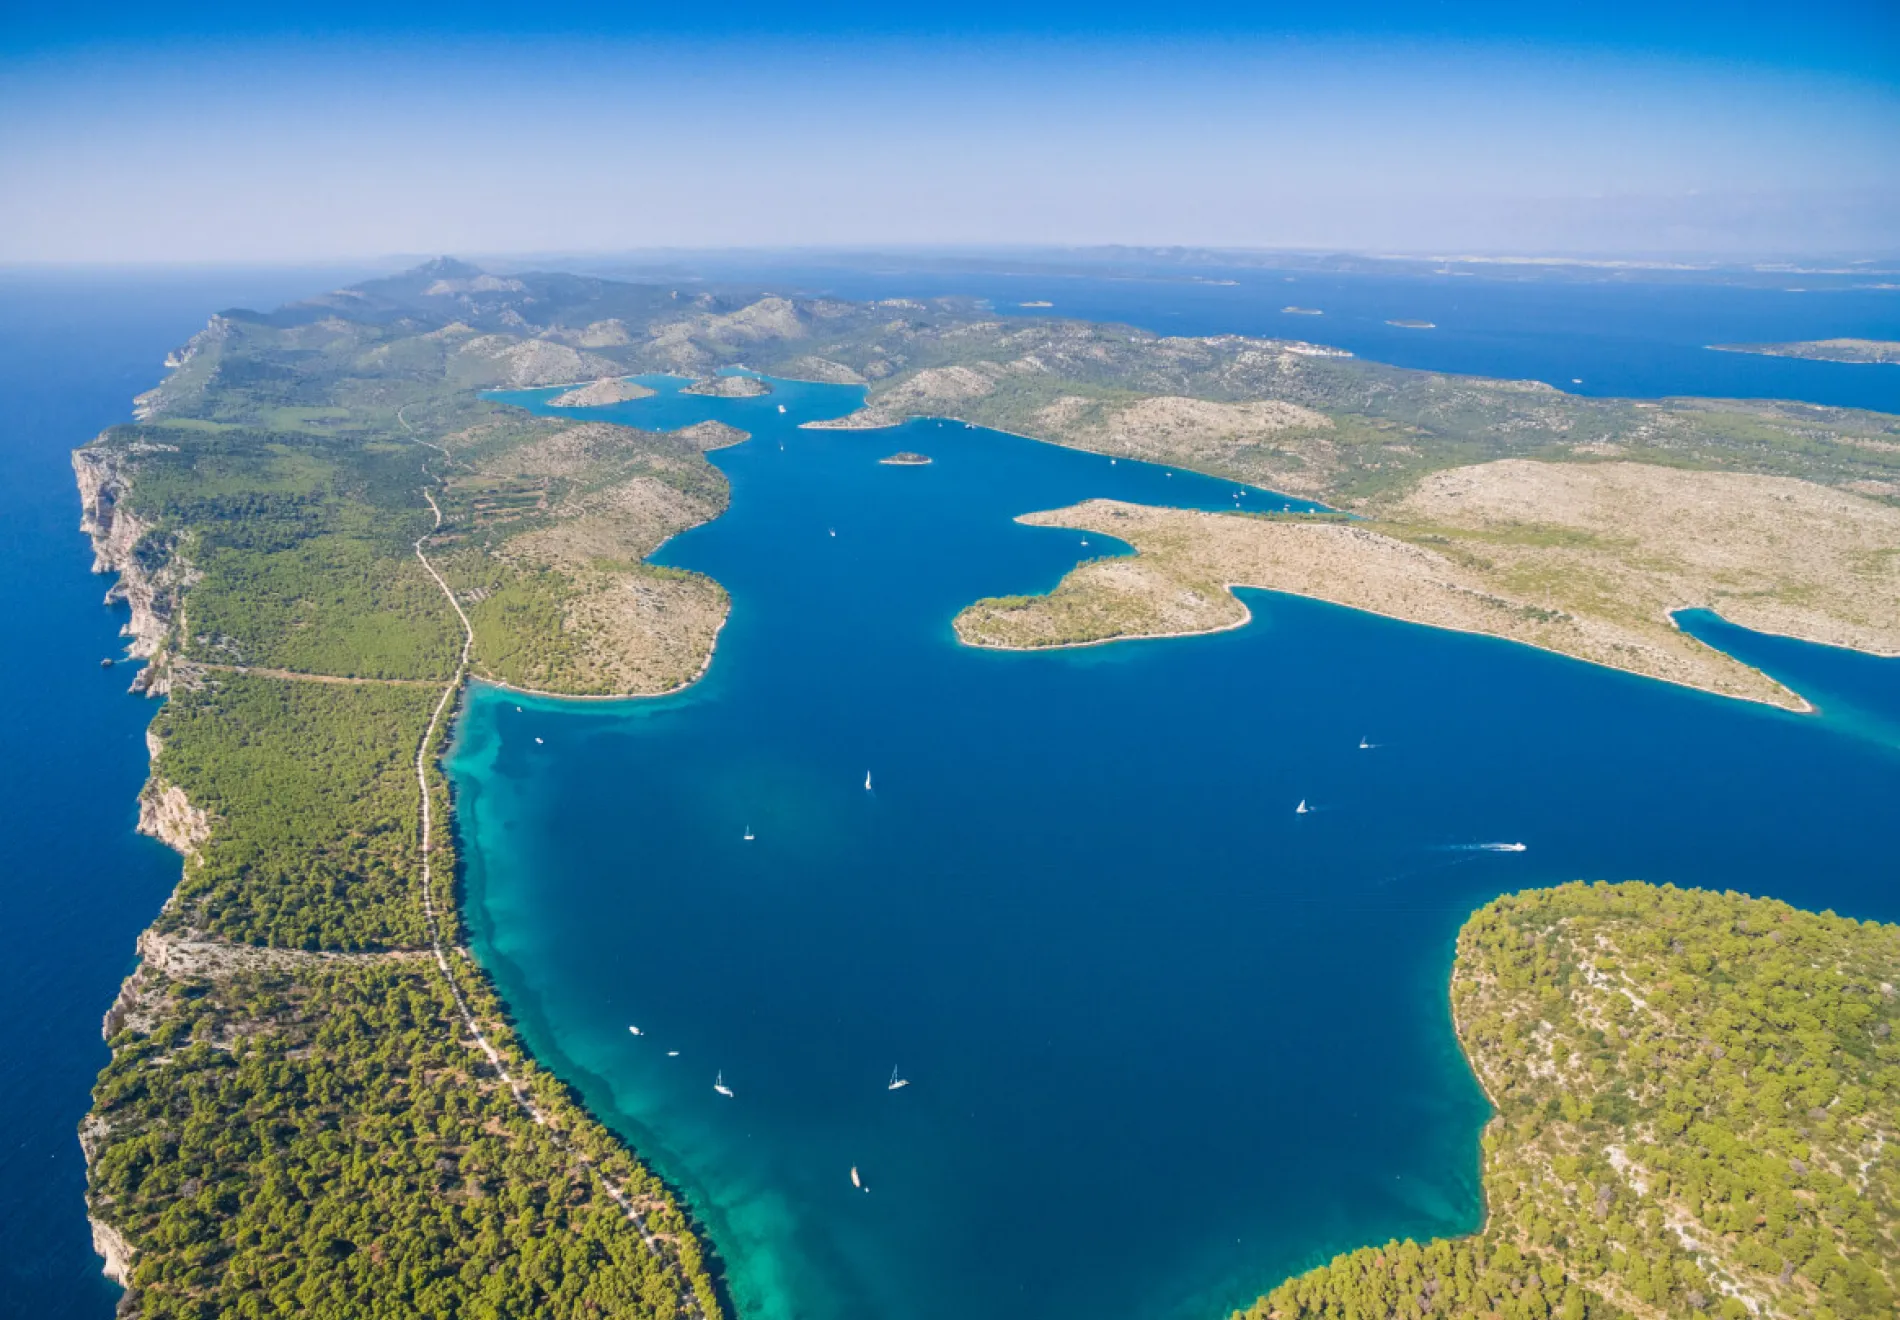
{"points": [[287, 139]]}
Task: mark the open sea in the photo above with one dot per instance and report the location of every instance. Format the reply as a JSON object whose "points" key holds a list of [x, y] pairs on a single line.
{"points": [[1167, 1041]]}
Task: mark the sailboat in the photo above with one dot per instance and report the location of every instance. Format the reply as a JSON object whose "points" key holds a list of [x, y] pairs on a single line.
{"points": [[1504, 847], [867, 781], [896, 1081], [781, 407], [1365, 744], [1302, 809], [857, 1181], [719, 1085], [748, 834], [636, 1031]]}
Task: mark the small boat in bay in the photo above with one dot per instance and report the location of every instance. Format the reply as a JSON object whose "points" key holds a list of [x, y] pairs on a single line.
{"points": [[635, 1031], [781, 407], [719, 1085], [1365, 743], [867, 781], [748, 834], [897, 1082], [857, 1181], [1504, 847], [1302, 809]]}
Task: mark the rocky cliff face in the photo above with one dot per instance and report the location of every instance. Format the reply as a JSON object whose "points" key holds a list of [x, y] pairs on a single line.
{"points": [[152, 575], [166, 814]]}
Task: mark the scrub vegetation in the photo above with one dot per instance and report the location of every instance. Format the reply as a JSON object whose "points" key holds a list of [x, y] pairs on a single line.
{"points": [[315, 1105], [1697, 1100]]}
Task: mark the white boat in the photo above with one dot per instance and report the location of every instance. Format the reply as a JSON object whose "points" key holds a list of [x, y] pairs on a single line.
{"points": [[781, 407], [1365, 744], [635, 1031], [857, 1181], [1302, 809], [897, 1083], [748, 834], [672, 1054], [834, 531], [719, 1085], [1111, 462], [1504, 847], [537, 740], [867, 781]]}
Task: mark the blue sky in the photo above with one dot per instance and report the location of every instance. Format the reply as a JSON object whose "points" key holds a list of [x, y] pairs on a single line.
{"points": [[218, 132]]}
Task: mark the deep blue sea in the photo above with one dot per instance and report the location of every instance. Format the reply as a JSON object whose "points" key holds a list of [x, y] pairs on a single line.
{"points": [[1167, 1041], [77, 885]]}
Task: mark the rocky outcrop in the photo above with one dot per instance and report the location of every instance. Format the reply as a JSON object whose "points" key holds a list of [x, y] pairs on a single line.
{"points": [[152, 574], [166, 814], [116, 1252]]}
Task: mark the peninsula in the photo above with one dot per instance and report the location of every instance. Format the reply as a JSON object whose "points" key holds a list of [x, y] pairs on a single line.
{"points": [[323, 532], [1824, 350], [1696, 1099]]}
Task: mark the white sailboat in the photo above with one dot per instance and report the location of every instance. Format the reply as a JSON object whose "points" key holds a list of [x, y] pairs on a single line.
{"points": [[635, 1031], [672, 1054], [1365, 744], [748, 834], [719, 1085], [781, 407], [897, 1082], [1302, 809], [855, 1180], [867, 781], [1504, 847]]}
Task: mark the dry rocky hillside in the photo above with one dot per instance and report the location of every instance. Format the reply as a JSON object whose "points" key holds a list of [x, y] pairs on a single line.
{"points": [[1584, 559]]}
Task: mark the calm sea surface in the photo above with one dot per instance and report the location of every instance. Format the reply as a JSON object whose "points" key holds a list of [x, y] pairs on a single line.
{"points": [[1166, 1040], [77, 885]]}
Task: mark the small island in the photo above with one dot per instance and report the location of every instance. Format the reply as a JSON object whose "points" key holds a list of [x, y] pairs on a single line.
{"points": [[1824, 350], [1414, 325], [730, 387], [602, 392], [906, 458], [1302, 311]]}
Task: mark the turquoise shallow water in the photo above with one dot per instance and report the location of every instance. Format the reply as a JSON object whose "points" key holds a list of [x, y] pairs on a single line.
{"points": [[1168, 1040]]}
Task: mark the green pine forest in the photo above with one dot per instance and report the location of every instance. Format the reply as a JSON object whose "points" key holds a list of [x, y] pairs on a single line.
{"points": [[1696, 1093]]}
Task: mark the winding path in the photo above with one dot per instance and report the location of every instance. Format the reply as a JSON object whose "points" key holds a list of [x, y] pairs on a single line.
{"points": [[689, 1300]]}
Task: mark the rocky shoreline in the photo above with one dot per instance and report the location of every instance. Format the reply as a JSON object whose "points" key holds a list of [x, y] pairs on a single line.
{"points": [[151, 574]]}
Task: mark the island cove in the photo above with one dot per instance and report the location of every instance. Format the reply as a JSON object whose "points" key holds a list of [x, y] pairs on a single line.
{"points": [[753, 921]]}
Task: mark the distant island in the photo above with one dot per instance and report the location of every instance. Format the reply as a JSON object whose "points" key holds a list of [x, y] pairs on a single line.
{"points": [[906, 458], [602, 392], [730, 387], [1303, 311], [1414, 325], [1824, 350]]}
